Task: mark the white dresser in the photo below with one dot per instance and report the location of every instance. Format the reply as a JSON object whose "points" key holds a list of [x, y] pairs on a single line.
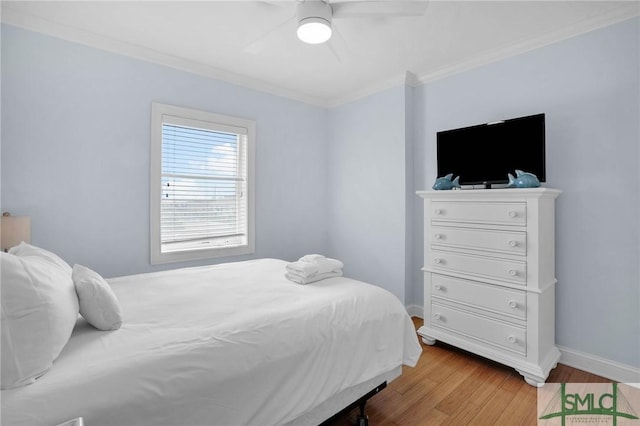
{"points": [[489, 269]]}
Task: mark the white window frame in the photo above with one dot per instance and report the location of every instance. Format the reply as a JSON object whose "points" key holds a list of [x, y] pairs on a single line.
{"points": [[163, 113]]}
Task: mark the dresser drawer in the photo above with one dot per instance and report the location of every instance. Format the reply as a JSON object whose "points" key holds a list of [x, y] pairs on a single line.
{"points": [[500, 269], [514, 242], [482, 212], [484, 296], [483, 329]]}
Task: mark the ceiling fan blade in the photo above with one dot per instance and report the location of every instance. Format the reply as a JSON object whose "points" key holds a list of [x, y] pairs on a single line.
{"points": [[270, 4], [338, 46], [377, 8], [255, 46]]}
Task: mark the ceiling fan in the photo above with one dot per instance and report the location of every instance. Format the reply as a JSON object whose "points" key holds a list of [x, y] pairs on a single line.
{"points": [[314, 18]]}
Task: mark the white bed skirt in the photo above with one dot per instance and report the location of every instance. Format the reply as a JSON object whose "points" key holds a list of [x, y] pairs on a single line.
{"points": [[343, 399]]}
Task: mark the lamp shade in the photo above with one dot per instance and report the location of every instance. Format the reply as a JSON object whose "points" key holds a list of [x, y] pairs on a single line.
{"points": [[14, 230], [314, 21], [314, 30]]}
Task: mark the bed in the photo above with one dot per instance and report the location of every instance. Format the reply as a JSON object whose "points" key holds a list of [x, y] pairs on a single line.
{"points": [[229, 344]]}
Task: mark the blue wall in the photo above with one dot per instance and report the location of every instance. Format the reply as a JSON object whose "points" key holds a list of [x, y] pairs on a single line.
{"points": [[75, 156], [366, 182], [75, 152], [589, 88]]}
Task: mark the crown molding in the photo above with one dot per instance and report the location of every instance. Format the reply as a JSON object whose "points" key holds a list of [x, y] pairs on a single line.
{"points": [[406, 78], [33, 23], [12, 17], [631, 10]]}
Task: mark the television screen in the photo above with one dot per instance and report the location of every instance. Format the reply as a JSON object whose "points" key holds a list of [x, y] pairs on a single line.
{"points": [[486, 153]]}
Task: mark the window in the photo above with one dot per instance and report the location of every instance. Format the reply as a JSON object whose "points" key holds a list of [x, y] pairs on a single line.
{"points": [[201, 185]]}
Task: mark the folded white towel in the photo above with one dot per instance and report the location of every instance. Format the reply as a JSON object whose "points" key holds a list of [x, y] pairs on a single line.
{"points": [[304, 269], [311, 265], [306, 280], [311, 257]]}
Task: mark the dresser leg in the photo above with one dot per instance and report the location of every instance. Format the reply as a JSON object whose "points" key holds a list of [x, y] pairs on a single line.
{"points": [[429, 341], [532, 380]]}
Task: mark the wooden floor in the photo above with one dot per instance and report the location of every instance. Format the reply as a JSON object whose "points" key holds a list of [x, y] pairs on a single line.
{"points": [[449, 386]]}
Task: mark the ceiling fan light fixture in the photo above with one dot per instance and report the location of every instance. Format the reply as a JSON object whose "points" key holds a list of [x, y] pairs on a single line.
{"points": [[314, 30]]}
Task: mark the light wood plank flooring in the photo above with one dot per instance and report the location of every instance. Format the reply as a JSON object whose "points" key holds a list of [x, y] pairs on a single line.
{"points": [[449, 386]]}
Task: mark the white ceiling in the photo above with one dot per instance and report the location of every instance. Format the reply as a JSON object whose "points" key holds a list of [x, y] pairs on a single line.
{"points": [[253, 43]]}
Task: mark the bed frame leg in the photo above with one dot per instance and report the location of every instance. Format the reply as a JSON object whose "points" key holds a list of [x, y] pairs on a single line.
{"points": [[362, 419]]}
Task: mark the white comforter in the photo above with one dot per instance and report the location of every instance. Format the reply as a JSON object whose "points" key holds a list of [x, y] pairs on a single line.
{"points": [[229, 344]]}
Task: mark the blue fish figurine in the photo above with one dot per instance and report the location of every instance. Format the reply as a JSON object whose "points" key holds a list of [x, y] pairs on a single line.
{"points": [[445, 183], [523, 180]]}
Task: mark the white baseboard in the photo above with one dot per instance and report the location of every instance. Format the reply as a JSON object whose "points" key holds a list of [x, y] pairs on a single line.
{"points": [[415, 311], [599, 366], [593, 364]]}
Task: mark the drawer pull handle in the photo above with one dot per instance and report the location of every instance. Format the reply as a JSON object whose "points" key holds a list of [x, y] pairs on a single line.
{"points": [[513, 213], [513, 304], [438, 212], [513, 243], [512, 339], [437, 236], [436, 316], [437, 261], [438, 287], [513, 272]]}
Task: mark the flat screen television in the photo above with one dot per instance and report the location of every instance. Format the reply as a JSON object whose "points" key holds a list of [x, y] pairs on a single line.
{"points": [[486, 153]]}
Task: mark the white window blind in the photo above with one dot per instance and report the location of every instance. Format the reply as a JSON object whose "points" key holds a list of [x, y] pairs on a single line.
{"points": [[203, 186]]}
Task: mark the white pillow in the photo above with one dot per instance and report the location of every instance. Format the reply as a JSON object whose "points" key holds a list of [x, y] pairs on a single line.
{"points": [[98, 303], [24, 249], [39, 311]]}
